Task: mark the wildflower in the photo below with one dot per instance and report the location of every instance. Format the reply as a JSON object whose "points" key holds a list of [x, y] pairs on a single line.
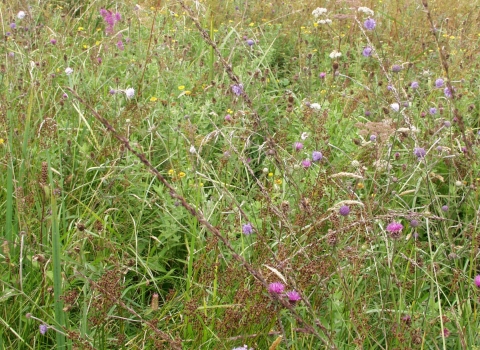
{"points": [[319, 11], [370, 24], [396, 68], [325, 21], [68, 71], [192, 149], [367, 52], [394, 227], [130, 92], [477, 281], [21, 15], [448, 93], [298, 146], [439, 82], [276, 288], [43, 329], [237, 89], [414, 85], [373, 138], [53, 41], [293, 296], [120, 45], [112, 92], [414, 223], [304, 135], [250, 42], [344, 210], [315, 106], [228, 118], [153, 99], [432, 111], [445, 208], [366, 10], [322, 75], [317, 156], [395, 106], [247, 229], [13, 25], [447, 124], [335, 54], [419, 152], [306, 163], [389, 87]]}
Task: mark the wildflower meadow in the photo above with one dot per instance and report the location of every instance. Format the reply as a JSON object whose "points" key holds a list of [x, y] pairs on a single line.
{"points": [[248, 175]]}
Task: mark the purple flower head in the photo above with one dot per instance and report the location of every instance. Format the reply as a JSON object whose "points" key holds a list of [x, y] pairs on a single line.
{"points": [[419, 152], [322, 75], [13, 25], [228, 118], [118, 17], [53, 41], [445, 208], [368, 113], [373, 138], [370, 24], [439, 82], [414, 223], [112, 92], [477, 281], [120, 45], [317, 156], [367, 52], [432, 111], [394, 227], [344, 210], [306, 163], [298, 146], [447, 124], [276, 288], [448, 93], [389, 87], [237, 89], [396, 68], [247, 229], [294, 296], [414, 85], [250, 42], [43, 328]]}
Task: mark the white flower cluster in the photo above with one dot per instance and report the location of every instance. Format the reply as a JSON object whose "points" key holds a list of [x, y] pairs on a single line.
{"points": [[366, 10], [325, 21], [319, 11], [335, 54]]}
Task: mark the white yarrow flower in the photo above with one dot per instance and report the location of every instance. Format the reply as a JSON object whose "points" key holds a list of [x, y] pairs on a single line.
{"points": [[130, 92], [325, 21], [366, 10], [319, 11], [192, 149], [21, 15], [335, 54], [315, 106], [68, 71], [395, 106]]}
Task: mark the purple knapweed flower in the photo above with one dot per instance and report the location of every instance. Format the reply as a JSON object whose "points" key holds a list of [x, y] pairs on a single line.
{"points": [[293, 296], [477, 280], [414, 85], [53, 41], [13, 25], [306, 163], [228, 118], [276, 288], [439, 82], [396, 68], [247, 229], [373, 138], [250, 42], [447, 124], [432, 111], [317, 156], [237, 89], [445, 208], [419, 152], [367, 52], [43, 328], [322, 75], [298, 146], [414, 223], [370, 24], [120, 45], [394, 227], [344, 210]]}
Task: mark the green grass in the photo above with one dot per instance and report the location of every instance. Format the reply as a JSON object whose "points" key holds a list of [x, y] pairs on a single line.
{"points": [[124, 217]]}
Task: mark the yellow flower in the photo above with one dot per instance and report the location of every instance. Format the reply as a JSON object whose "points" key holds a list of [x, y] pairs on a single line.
{"points": [[229, 111], [98, 42], [153, 99], [85, 46], [80, 29], [188, 92], [315, 24], [270, 174], [360, 186], [181, 174], [251, 24], [278, 181], [181, 87], [452, 37], [171, 172], [2, 141]]}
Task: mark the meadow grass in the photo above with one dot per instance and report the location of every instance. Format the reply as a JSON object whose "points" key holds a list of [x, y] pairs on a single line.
{"points": [[239, 175]]}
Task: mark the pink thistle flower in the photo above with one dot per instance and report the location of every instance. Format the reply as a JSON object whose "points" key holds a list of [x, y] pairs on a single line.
{"points": [[394, 227], [276, 288]]}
